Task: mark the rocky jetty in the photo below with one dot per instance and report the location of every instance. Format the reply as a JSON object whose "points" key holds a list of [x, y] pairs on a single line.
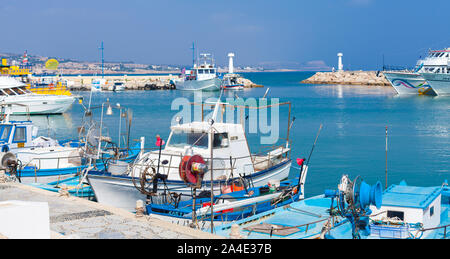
{"points": [[247, 83], [349, 78]]}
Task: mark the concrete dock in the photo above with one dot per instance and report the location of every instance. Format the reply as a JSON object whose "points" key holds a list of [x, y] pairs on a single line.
{"points": [[75, 218]]}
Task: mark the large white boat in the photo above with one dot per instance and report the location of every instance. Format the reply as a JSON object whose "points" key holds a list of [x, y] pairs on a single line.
{"points": [[160, 172], [13, 91], [203, 76], [439, 77], [413, 82]]}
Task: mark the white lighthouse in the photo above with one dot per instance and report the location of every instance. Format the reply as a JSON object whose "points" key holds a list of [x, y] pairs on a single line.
{"points": [[230, 63], [340, 65]]}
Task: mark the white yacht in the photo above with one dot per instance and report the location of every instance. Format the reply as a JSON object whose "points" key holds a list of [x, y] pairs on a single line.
{"points": [[14, 91], [203, 76], [413, 82], [439, 76]]}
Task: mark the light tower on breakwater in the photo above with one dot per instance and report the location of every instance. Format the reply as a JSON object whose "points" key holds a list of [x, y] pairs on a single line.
{"points": [[340, 64], [230, 63]]}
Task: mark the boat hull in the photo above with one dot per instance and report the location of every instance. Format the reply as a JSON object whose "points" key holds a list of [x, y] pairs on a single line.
{"points": [[40, 104], [407, 83], [120, 191], [439, 82], [212, 84]]}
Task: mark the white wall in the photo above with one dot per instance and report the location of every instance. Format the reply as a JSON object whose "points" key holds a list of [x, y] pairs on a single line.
{"points": [[20, 220]]}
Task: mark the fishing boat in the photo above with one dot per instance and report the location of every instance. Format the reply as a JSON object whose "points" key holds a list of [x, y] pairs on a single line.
{"points": [[43, 159], [202, 77], [157, 171], [414, 82], [40, 157], [237, 200], [314, 217], [117, 86], [14, 91], [407, 212], [231, 82], [401, 212]]}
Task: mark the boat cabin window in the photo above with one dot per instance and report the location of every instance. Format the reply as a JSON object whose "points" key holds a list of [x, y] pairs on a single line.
{"points": [[220, 140], [200, 71], [5, 131], [20, 134], [8, 91], [396, 214], [17, 91], [431, 211], [211, 71], [182, 139]]}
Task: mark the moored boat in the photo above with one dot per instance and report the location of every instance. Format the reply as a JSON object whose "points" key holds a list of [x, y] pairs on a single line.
{"points": [[414, 82], [14, 91], [202, 77], [157, 171]]}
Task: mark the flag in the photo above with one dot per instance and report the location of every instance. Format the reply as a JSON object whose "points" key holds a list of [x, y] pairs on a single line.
{"points": [[300, 161], [159, 141]]}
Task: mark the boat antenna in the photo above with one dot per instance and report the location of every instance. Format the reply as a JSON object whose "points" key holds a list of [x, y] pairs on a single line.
{"points": [[386, 150], [314, 145], [267, 91]]}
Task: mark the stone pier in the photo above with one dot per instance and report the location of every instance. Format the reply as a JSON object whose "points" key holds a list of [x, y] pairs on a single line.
{"points": [[75, 218]]}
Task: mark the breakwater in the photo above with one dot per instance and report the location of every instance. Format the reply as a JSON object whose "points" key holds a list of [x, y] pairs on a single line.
{"points": [[133, 82], [375, 78]]}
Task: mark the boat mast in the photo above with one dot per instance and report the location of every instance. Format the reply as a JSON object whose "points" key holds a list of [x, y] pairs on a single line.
{"points": [[193, 54], [103, 61]]}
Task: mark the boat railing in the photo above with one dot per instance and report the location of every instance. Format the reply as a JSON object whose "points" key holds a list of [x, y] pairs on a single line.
{"points": [[421, 231], [271, 156]]}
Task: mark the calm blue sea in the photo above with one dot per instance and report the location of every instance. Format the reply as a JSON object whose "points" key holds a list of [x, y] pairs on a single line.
{"points": [[352, 140]]}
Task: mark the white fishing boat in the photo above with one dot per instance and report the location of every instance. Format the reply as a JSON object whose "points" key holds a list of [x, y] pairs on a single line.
{"points": [[14, 91], [413, 82], [42, 159], [117, 86], [158, 172], [202, 77]]}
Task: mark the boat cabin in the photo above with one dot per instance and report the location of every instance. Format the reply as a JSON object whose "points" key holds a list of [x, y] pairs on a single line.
{"points": [[203, 70], [17, 134], [405, 210]]}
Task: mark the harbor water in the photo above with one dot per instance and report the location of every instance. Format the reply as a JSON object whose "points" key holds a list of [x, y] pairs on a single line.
{"points": [[352, 140]]}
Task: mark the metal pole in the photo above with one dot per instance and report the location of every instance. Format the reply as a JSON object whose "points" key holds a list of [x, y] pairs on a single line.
{"points": [[386, 173], [212, 181]]}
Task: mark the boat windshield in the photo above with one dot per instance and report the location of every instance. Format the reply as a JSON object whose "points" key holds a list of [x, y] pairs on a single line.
{"points": [[5, 131], [182, 139]]}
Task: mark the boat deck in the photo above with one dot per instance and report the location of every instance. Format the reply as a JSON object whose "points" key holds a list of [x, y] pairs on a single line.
{"points": [[299, 220], [72, 217]]}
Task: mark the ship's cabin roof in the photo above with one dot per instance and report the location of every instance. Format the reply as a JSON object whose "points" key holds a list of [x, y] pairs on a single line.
{"points": [[410, 196]]}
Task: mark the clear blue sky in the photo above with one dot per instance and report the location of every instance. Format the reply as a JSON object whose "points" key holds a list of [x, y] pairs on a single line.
{"points": [[150, 31]]}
